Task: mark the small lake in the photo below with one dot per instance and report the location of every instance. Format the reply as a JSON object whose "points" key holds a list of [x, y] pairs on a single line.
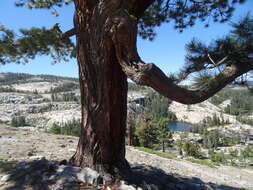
{"points": [[179, 126]]}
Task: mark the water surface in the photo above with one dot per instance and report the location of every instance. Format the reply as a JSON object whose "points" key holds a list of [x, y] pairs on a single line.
{"points": [[179, 126]]}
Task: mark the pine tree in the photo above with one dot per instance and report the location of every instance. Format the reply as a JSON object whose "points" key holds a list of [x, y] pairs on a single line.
{"points": [[164, 135]]}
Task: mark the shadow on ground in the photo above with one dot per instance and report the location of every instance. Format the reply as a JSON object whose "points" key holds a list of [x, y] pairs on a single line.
{"points": [[40, 175], [21, 175], [158, 179]]}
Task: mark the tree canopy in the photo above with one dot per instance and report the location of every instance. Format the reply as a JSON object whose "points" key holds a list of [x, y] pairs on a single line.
{"points": [[28, 43], [182, 12]]}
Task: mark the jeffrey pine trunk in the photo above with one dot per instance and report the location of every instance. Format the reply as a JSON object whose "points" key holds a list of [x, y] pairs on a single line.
{"points": [[103, 88]]}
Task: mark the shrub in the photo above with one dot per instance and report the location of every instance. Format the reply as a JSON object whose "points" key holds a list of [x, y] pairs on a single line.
{"points": [[211, 139], [72, 128], [189, 148], [18, 121], [55, 129], [161, 154], [192, 149], [69, 86], [200, 129], [218, 157]]}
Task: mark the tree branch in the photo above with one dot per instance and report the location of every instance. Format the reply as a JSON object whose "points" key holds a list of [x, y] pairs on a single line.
{"points": [[216, 65], [69, 33], [150, 75], [139, 7], [124, 34]]}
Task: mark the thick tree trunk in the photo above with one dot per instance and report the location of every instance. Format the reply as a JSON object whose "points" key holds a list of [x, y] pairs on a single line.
{"points": [[103, 88]]}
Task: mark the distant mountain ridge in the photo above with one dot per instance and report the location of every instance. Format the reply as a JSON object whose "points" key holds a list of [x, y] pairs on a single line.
{"points": [[10, 78]]}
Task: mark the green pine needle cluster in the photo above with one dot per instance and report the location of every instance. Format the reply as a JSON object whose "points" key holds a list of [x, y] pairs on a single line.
{"points": [[185, 14], [27, 44], [207, 61], [41, 4]]}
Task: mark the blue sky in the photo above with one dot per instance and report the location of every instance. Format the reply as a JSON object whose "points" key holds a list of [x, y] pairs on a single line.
{"points": [[167, 50]]}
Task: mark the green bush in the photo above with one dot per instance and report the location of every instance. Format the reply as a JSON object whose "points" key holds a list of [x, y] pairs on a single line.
{"points": [[230, 141], [69, 86], [19, 121], [211, 139], [55, 129], [192, 149], [189, 148], [247, 153], [72, 128], [218, 157]]}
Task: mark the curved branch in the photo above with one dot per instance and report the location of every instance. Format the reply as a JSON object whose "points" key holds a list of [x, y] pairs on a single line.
{"points": [[150, 75], [124, 38]]}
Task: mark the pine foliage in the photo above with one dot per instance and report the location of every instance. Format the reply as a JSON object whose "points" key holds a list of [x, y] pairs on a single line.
{"points": [[42, 4], [184, 14], [207, 61], [22, 47]]}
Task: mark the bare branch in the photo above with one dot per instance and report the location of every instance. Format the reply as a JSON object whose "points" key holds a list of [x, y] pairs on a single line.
{"points": [[216, 65], [219, 63]]}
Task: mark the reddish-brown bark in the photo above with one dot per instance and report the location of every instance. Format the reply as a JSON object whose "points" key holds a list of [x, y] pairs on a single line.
{"points": [[103, 88]]}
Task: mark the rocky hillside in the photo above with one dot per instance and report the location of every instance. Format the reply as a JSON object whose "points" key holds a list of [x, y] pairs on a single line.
{"points": [[198, 112], [43, 100]]}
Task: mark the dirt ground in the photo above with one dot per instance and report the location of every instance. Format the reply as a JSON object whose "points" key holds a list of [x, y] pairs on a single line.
{"points": [[20, 145]]}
